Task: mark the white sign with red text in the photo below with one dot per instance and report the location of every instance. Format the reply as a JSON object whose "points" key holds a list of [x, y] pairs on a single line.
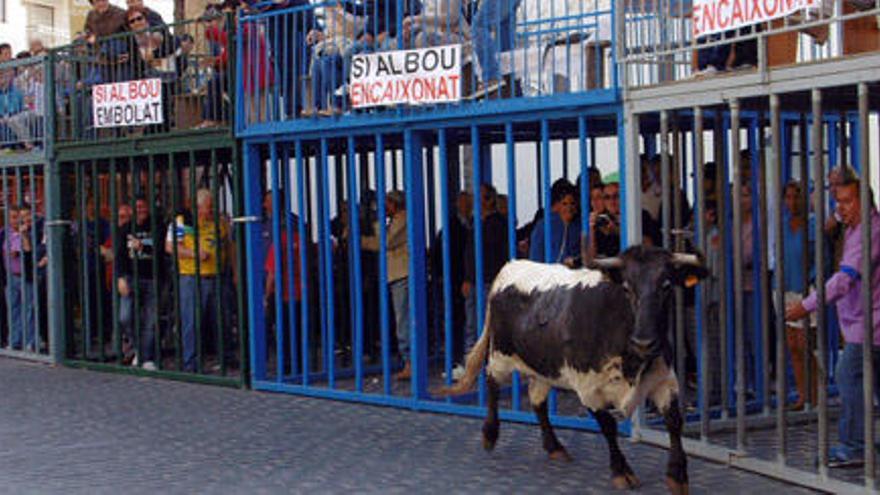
{"points": [[415, 77], [129, 103], [718, 16]]}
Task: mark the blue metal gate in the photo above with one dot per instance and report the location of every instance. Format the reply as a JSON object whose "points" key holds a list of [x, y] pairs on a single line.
{"points": [[327, 322]]}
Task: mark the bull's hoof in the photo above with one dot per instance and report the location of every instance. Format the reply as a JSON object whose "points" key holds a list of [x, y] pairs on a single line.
{"points": [[626, 481], [560, 454], [675, 487], [488, 444]]}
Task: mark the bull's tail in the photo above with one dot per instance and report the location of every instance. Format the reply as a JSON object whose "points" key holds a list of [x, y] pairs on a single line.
{"points": [[476, 358]]}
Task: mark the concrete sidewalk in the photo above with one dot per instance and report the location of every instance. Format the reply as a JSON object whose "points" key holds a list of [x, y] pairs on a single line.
{"points": [[71, 431]]}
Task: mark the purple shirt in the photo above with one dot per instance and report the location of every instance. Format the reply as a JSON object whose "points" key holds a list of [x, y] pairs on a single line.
{"points": [[844, 287], [12, 244]]}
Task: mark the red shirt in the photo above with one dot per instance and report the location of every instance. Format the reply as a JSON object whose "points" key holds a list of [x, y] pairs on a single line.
{"points": [[270, 266]]}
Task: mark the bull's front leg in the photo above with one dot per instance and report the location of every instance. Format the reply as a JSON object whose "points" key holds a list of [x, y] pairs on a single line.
{"points": [[622, 476], [676, 469]]}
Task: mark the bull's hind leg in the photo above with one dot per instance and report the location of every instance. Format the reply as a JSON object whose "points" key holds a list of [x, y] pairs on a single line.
{"points": [[491, 426], [622, 476], [538, 392], [676, 469]]}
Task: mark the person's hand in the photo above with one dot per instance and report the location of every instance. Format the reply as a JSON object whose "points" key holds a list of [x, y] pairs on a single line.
{"points": [[44, 262], [466, 289], [122, 287], [796, 311], [122, 58], [314, 37], [204, 255], [569, 262]]}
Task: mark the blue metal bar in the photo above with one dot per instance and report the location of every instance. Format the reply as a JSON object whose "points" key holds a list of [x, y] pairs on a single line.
{"points": [[621, 170], [254, 263], [515, 399], [479, 282], [382, 214], [548, 243], [758, 244], [276, 247], [354, 241], [585, 183], [417, 281], [447, 256], [304, 241], [289, 256], [327, 276]]}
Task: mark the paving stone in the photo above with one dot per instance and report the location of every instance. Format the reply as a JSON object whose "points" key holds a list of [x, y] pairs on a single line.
{"points": [[66, 431]]}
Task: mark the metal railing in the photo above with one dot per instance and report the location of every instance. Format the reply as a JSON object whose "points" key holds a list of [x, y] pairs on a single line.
{"points": [[295, 64], [674, 40], [185, 66], [23, 105]]}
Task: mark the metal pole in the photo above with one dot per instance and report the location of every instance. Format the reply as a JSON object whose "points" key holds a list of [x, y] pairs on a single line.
{"points": [[819, 249], [738, 279], [665, 178], [774, 170], [723, 282], [704, 383], [55, 232], [867, 277]]}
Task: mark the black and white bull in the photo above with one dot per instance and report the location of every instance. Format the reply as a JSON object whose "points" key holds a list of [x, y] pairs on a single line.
{"points": [[599, 332]]}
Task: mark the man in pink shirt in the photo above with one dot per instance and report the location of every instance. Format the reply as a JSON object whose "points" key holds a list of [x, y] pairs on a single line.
{"points": [[844, 290]]}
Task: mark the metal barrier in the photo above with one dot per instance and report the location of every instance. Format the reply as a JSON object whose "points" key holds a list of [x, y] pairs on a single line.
{"points": [[382, 284], [152, 273], [675, 40], [765, 181], [185, 66], [296, 64]]}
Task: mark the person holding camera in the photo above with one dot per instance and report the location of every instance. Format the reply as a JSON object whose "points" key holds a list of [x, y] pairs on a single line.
{"points": [[136, 283], [605, 224]]}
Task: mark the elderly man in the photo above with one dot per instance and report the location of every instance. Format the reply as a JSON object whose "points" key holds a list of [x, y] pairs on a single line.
{"points": [[844, 289]]}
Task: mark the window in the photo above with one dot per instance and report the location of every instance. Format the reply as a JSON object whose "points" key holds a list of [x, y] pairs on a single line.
{"points": [[40, 23]]}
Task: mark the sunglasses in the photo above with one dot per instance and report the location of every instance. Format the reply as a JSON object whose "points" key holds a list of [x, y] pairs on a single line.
{"points": [[136, 19]]}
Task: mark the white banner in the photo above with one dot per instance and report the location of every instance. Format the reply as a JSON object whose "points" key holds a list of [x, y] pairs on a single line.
{"points": [[415, 77], [718, 16], [129, 103]]}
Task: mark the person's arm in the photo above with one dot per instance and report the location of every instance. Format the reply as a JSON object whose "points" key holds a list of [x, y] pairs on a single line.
{"points": [[843, 281], [371, 242], [536, 243]]}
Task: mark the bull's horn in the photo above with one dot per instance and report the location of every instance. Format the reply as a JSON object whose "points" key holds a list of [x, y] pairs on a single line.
{"points": [[607, 263], [685, 259]]}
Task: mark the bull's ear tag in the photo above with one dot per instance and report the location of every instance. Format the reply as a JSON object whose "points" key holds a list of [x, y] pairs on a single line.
{"points": [[691, 281]]}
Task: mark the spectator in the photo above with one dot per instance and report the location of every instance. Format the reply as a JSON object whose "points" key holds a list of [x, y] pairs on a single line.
{"points": [[12, 263], [271, 286], [104, 20], [213, 111], [150, 44], [498, 16], [844, 290], [397, 252], [153, 18], [20, 254], [494, 251], [5, 52], [36, 47], [798, 236], [11, 104], [136, 281], [27, 124], [605, 224], [564, 230], [441, 22], [331, 49], [200, 266], [597, 202]]}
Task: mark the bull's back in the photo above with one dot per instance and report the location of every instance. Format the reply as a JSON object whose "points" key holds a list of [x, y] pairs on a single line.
{"points": [[550, 315]]}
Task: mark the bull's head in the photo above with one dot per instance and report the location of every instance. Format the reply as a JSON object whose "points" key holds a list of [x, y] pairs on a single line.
{"points": [[649, 274]]}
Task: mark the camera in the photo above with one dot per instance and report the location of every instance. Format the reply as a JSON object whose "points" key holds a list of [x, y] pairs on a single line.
{"points": [[603, 220]]}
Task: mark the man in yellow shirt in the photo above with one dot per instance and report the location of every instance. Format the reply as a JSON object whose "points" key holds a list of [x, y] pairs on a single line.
{"points": [[200, 268]]}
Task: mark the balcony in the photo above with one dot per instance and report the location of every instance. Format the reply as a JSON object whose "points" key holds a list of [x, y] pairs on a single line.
{"points": [[23, 101], [160, 82], [710, 50], [317, 66]]}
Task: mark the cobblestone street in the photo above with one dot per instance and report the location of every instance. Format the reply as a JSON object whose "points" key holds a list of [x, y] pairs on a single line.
{"points": [[72, 431]]}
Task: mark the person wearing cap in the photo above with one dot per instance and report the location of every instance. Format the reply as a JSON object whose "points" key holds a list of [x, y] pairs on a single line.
{"points": [[397, 253]]}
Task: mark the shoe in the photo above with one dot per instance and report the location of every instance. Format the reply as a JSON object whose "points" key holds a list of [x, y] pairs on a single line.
{"points": [[844, 457], [405, 373], [149, 366], [134, 360]]}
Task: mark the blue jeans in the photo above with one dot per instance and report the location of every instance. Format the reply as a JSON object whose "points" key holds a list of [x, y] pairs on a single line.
{"points": [[146, 341], [851, 426], [207, 289], [400, 301], [498, 16], [327, 75], [20, 307]]}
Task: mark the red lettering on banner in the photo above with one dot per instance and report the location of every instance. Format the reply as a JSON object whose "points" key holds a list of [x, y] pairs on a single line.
{"points": [[756, 10], [737, 17], [771, 11], [723, 20]]}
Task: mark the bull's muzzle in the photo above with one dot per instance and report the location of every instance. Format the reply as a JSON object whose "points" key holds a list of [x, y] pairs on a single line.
{"points": [[643, 347]]}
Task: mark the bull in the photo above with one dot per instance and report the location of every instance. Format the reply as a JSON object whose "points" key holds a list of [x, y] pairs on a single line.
{"points": [[600, 332]]}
